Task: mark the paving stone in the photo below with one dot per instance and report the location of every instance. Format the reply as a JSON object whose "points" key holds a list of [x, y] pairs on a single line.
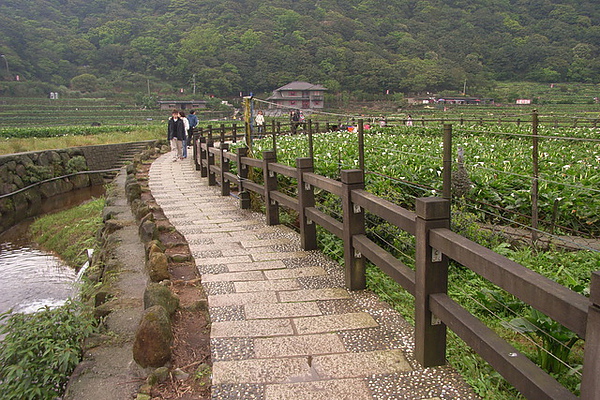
{"points": [[229, 245], [313, 295], [260, 371], [263, 243], [233, 299], [295, 273], [223, 260], [351, 365], [278, 256], [256, 266], [260, 286], [337, 389], [227, 313], [234, 277], [230, 349], [241, 391], [214, 288], [281, 310], [252, 328], [214, 237], [332, 323], [304, 345], [229, 237]]}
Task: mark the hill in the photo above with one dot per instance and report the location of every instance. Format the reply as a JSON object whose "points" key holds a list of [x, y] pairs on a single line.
{"points": [[222, 47]]}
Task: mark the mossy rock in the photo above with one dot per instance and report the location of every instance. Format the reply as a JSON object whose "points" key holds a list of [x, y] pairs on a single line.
{"points": [[158, 267], [153, 338], [160, 295]]}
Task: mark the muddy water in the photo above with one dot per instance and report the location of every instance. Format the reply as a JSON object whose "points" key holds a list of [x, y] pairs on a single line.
{"points": [[31, 278]]}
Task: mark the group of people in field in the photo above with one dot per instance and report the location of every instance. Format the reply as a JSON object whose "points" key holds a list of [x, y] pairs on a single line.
{"points": [[179, 132]]}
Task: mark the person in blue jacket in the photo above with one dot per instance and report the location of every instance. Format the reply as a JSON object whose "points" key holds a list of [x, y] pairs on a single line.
{"points": [[193, 121]]}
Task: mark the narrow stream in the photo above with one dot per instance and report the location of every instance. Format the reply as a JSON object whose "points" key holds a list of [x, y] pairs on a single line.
{"points": [[31, 278]]}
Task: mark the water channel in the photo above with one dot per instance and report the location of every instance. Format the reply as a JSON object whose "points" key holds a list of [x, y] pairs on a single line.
{"points": [[30, 277]]}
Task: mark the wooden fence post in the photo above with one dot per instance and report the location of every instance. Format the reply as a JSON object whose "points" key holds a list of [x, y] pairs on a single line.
{"points": [[447, 162], [242, 171], [195, 152], [224, 164], [270, 181], [311, 152], [234, 133], [210, 158], [361, 145], [306, 198], [354, 224], [431, 277], [535, 156], [590, 384], [203, 156]]}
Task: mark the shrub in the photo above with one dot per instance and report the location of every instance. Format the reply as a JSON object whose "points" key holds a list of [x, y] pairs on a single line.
{"points": [[41, 350]]}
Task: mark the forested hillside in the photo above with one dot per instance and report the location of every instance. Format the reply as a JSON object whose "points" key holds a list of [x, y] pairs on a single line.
{"points": [[367, 46]]}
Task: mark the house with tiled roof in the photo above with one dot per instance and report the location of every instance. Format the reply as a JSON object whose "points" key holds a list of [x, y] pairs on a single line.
{"points": [[301, 95]]}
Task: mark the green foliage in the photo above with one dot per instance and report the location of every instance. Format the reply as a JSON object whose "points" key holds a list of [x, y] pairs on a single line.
{"points": [[557, 341], [410, 155], [38, 173], [70, 232], [40, 350], [361, 47], [84, 83], [57, 131], [77, 164]]}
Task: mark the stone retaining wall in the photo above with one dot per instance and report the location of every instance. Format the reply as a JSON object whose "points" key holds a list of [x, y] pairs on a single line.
{"points": [[20, 170]]}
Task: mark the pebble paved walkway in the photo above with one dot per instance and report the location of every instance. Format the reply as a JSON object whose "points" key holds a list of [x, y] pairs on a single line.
{"points": [[283, 326]]}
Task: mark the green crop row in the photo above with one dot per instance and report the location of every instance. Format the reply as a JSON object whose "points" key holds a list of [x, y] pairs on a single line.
{"points": [[406, 162], [57, 131]]}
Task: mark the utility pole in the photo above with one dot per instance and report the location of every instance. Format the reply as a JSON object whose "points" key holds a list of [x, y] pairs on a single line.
{"points": [[194, 80], [7, 70], [148, 80]]}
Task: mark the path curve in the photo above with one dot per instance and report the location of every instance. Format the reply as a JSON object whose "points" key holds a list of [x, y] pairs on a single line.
{"points": [[283, 325]]}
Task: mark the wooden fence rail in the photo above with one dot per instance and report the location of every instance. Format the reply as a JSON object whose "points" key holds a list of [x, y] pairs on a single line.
{"points": [[435, 245]]}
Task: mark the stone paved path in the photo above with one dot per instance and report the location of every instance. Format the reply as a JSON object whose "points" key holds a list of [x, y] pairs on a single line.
{"points": [[283, 326]]}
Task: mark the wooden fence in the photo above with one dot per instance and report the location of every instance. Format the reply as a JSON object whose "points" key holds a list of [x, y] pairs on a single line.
{"points": [[435, 245]]}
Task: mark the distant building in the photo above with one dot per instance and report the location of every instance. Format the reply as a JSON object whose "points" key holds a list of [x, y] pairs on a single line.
{"points": [[302, 95], [523, 101], [414, 101], [465, 100], [181, 104]]}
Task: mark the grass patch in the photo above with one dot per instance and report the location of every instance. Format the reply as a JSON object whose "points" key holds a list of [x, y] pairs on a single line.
{"points": [[68, 233], [18, 145]]}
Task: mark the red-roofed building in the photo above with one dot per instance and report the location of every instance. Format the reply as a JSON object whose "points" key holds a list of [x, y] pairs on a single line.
{"points": [[301, 95]]}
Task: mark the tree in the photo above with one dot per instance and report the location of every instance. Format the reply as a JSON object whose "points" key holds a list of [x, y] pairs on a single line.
{"points": [[84, 83]]}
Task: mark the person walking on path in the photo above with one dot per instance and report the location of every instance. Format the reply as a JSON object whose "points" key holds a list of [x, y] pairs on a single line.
{"points": [[176, 134], [193, 121], [294, 120], [260, 122], [186, 128]]}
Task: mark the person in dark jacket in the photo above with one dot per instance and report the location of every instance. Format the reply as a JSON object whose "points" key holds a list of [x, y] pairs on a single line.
{"points": [[176, 134], [193, 120]]}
